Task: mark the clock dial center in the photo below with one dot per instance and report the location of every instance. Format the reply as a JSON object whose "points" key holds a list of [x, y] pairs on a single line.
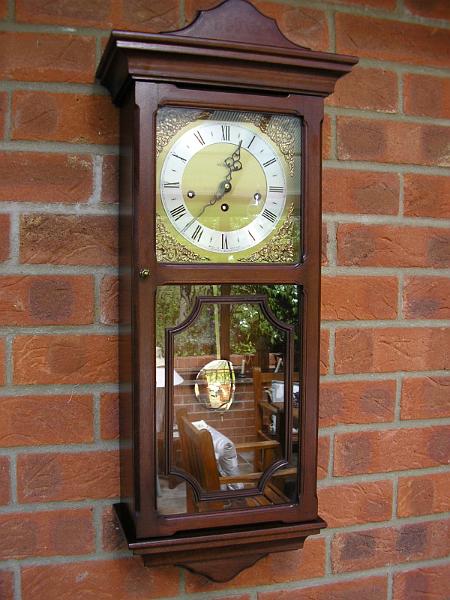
{"points": [[211, 175]]}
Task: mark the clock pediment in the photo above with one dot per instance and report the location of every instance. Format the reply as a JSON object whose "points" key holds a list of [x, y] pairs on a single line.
{"points": [[237, 21]]}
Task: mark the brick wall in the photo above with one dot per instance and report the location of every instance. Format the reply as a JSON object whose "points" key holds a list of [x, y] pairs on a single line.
{"points": [[385, 407]]}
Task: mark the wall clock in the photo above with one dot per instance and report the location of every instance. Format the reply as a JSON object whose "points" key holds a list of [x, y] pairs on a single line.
{"points": [[220, 174]]}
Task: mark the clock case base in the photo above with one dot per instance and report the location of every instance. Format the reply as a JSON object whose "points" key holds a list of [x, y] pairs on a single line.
{"points": [[215, 554]]}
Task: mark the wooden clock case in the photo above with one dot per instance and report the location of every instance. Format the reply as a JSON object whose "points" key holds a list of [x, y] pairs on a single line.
{"points": [[230, 57]]}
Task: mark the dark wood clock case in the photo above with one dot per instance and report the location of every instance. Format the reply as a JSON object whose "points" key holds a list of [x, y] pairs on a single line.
{"points": [[230, 57]]}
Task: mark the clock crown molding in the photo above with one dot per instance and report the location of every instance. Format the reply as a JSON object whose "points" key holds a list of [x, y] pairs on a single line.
{"points": [[232, 44]]}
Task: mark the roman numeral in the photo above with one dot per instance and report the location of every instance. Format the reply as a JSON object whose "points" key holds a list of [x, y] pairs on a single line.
{"points": [[226, 133], [200, 140], [180, 157], [251, 141], [251, 235], [172, 184], [274, 188], [196, 236], [270, 216], [178, 212], [224, 242], [269, 162]]}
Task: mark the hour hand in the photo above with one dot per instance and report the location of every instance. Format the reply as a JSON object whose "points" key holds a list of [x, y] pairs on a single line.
{"points": [[223, 187]]}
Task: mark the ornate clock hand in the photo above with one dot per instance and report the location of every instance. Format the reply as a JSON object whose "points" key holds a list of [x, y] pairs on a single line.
{"points": [[223, 188], [233, 163]]}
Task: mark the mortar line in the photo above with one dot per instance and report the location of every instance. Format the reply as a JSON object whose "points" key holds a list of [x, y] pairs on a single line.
{"points": [[88, 89], [375, 115], [97, 524], [96, 407], [9, 366], [398, 400]]}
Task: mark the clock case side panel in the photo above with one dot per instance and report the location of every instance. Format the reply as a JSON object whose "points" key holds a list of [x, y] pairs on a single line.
{"points": [[127, 397], [136, 346]]}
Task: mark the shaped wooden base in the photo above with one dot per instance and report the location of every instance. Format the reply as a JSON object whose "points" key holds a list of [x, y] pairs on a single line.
{"points": [[220, 555]]}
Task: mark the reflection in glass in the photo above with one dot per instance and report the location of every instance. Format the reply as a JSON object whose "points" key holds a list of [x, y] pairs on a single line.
{"points": [[215, 384], [232, 435]]}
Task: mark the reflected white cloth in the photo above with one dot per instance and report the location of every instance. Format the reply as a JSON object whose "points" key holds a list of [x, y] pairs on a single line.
{"points": [[225, 453], [161, 377]]}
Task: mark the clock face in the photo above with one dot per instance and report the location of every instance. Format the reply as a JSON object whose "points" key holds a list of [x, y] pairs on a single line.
{"points": [[225, 188]]}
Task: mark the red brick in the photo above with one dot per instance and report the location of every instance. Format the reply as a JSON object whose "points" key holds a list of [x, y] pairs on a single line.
{"points": [[274, 568], [367, 89], [425, 398], [383, 39], [77, 118], [436, 9], [6, 584], [425, 582], [326, 138], [368, 549], [360, 192], [109, 416], [55, 477], [372, 588], [3, 15], [45, 299], [42, 177], [113, 539], [351, 298], [391, 450], [36, 420], [4, 237], [382, 141], [86, 13], [323, 456], [110, 180], [2, 362], [109, 296], [68, 239], [346, 402], [324, 351], [427, 196], [356, 503], [303, 26], [65, 359], [392, 246], [46, 533], [426, 298], [47, 57], [5, 487], [389, 350], [3, 104], [122, 579], [140, 15], [423, 495], [425, 95]]}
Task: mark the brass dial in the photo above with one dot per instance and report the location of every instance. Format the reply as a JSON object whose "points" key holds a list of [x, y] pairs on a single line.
{"points": [[224, 188]]}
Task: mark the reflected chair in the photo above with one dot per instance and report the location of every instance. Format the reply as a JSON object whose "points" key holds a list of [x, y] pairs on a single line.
{"points": [[199, 460], [269, 417]]}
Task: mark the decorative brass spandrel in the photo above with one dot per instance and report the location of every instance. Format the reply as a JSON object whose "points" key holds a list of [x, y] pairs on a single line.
{"points": [[279, 248]]}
